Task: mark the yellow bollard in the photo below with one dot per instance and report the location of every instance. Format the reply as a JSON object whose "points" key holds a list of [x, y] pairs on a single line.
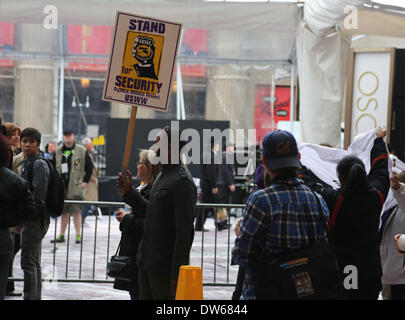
{"points": [[189, 284]]}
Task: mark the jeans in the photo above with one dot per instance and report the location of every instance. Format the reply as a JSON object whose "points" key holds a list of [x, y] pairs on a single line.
{"points": [[6, 254], [85, 212], [31, 239], [17, 243]]}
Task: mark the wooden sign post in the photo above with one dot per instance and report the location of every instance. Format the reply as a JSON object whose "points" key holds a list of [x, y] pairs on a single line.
{"points": [[140, 67], [128, 143]]}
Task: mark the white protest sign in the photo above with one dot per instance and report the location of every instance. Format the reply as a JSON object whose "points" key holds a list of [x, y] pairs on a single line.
{"points": [[141, 62]]}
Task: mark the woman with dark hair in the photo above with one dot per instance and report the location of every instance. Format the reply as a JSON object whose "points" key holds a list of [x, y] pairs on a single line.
{"points": [[355, 214], [13, 136], [16, 207]]}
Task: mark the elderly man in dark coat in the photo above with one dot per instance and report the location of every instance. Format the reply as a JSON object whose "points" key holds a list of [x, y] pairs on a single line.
{"points": [[168, 231]]}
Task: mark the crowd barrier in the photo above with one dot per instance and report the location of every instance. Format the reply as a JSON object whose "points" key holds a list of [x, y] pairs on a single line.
{"points": [[64, 261]]}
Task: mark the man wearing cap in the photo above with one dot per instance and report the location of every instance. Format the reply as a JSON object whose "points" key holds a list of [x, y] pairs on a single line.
{"points": [[283, 216], [74, 164], [168, 231]]}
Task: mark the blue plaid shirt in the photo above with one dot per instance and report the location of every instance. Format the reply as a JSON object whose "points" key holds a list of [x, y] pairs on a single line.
{"points": [[282, 216]]}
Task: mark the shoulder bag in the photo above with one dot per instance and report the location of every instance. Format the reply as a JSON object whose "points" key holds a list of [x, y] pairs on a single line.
{"points": [[121, 267], [308, 273]]}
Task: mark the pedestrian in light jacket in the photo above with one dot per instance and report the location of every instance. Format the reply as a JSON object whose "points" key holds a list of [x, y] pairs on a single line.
{"points": [[393, 223]]}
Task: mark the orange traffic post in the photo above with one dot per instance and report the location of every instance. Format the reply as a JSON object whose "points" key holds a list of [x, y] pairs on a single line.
{"points": [[189, 284]]}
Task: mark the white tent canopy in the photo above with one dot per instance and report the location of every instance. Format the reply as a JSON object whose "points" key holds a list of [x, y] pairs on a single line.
{"points": [[270, 32], [272, 25]]}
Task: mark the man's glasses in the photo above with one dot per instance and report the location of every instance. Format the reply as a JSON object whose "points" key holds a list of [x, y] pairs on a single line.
{"points": [[142, 162]]}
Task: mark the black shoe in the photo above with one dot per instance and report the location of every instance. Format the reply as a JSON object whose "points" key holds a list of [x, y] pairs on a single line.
{"points": [[223, 226], [203, 229], [13, 294]]}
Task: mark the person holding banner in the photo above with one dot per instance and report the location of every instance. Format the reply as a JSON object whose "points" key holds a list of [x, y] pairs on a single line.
{"points": [[169, 230], [132, 221], [355, 214]]}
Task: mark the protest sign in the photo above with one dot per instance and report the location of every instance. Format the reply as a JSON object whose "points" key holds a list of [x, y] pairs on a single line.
{"points": [[141, 62], [140, 66]]}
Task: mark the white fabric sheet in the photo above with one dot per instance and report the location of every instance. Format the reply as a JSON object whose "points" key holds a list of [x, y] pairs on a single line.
{"points": [[322, 161]]}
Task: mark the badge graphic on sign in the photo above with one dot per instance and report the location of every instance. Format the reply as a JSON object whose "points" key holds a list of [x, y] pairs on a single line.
{"points": [[142, 59], [144, 51]]}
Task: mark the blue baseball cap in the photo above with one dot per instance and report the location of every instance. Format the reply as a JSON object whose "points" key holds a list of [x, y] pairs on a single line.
{"points": [[280, 150]]}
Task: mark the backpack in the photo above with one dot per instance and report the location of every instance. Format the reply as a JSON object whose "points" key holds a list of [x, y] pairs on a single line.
{"points": [[309, 273], [55, 195]]}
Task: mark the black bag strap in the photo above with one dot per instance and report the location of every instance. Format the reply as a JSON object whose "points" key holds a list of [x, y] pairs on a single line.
{"points": [[119, 247]]}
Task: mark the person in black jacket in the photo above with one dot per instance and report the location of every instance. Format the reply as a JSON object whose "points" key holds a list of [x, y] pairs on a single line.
{"points": [[355, 214], [3, 131], [210, 172], [227, 173], [132, 222], [16, 206], [36, 172], [169, 230]]}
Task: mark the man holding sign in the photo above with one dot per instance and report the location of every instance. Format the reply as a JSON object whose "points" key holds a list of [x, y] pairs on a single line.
{"points": [[169, 223], [140, 72]]}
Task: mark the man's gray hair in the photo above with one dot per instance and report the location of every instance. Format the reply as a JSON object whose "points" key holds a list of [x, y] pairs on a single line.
{"points": [[86, 140]]}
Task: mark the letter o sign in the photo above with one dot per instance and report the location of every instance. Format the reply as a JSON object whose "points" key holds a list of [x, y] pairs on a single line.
{"points": [[376, 83], [364, 115]]}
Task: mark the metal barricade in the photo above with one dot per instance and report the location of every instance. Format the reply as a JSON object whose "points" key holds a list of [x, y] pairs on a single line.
{"points": [[86, 262]]}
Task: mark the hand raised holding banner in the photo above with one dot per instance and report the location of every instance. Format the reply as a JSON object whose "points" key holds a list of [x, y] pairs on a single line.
{"points": [[381, 132]]}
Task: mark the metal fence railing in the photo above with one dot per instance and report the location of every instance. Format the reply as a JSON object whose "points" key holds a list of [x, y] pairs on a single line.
{"points": [[100, 235]]}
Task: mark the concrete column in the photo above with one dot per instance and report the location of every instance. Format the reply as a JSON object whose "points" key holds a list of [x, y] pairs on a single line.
{"points": [[230, 91], [34, 84]]}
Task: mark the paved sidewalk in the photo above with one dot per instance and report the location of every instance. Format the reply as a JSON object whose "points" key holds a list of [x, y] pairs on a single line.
{"points": [[77, 261]]}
